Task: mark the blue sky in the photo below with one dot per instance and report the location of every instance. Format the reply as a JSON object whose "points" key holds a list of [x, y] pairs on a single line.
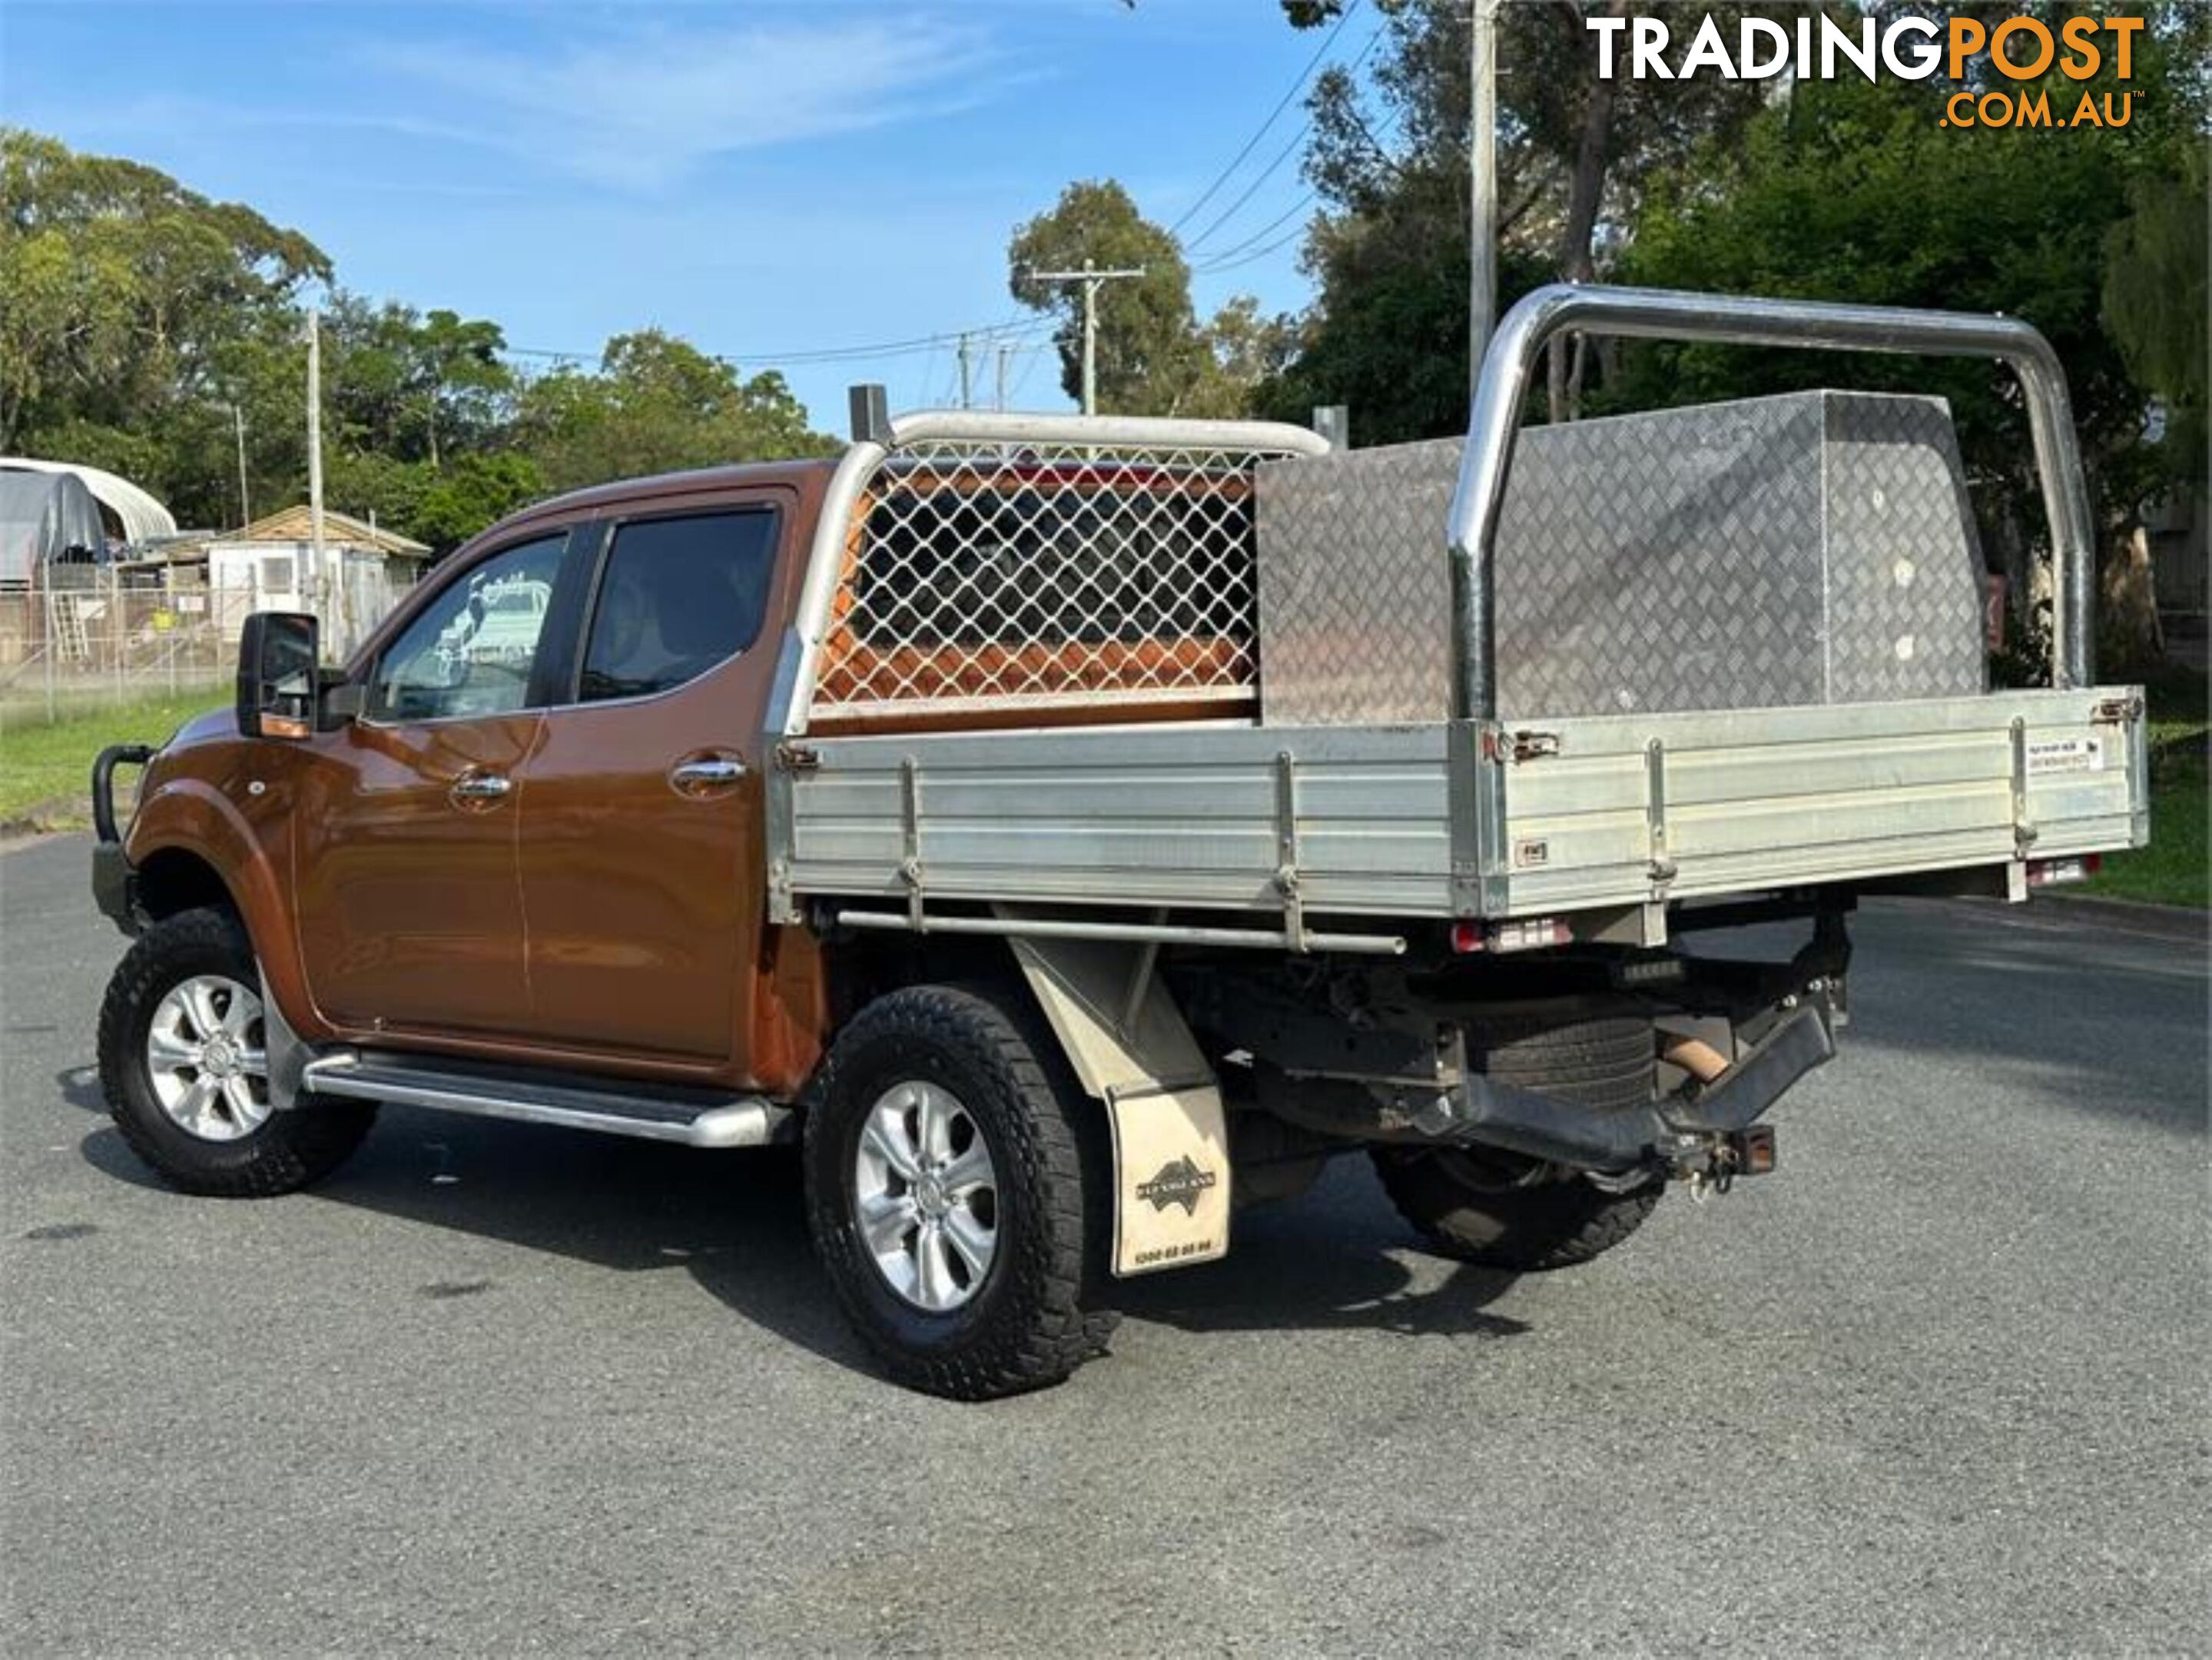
{"points": [[763, 176]]}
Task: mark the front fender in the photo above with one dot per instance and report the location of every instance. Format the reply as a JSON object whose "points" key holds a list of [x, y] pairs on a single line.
{"points": [[250, 849]]}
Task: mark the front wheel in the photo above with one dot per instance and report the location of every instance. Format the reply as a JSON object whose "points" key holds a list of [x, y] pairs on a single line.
{"points": [[184, 1062], [949, 1197]]}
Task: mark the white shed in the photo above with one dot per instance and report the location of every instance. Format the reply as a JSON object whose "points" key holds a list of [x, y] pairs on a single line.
{"points": [[267, 566]]}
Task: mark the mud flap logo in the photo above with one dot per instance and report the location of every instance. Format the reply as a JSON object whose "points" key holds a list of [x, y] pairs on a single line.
{"points": [[1180, 1182], [1171, 1177]]}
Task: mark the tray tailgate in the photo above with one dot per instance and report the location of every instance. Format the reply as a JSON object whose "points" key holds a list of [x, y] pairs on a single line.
{"points": [[1742, 800]]}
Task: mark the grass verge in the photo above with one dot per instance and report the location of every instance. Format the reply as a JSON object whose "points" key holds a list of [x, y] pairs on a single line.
{"points": [[2176, 868], [45, 771]]}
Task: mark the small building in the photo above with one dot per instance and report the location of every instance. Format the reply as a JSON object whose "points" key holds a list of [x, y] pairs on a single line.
{"points": [[269, 566]]}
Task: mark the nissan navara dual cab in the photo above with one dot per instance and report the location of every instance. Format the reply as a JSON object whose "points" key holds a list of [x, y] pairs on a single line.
{"points": [[1073, 829]]}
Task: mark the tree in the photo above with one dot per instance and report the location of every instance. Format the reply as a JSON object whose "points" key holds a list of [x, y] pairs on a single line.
{"points": [[1858, 192], [1575, 155], [1151, 357], [471, 494], [129, 302], [2155, 298], [656, 403]]}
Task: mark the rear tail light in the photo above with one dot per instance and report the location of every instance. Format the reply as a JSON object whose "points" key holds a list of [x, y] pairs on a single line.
{"points": [[2043, 872], [1529, 933]]}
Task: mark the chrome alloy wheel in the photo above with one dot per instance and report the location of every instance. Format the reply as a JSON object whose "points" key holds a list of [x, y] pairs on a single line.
{"points": [[206, 1051], [926, 1196]]}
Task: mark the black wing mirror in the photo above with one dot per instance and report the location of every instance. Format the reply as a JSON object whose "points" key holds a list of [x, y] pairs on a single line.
{"points": [[278, 677]]}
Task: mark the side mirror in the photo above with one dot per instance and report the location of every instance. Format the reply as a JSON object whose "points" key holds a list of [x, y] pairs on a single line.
{"points": [[277, 674]]}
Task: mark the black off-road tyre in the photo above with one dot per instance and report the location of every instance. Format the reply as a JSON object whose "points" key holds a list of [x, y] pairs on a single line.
{"points": [[1025, 1325], [287, 1152], [1503, 1211]]}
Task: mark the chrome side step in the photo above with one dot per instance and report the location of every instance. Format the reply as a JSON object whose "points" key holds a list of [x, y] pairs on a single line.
{"points": [[687, 1118]]}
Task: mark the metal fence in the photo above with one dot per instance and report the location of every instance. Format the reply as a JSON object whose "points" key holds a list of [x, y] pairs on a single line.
{"points": [[88, 635], [1046, 574]]}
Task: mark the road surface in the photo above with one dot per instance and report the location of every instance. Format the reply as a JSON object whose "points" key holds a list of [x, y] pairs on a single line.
{"points": [[1938, 1386]]}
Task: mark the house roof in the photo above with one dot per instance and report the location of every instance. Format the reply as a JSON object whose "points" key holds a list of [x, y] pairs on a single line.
{"points": [[294, 524]]}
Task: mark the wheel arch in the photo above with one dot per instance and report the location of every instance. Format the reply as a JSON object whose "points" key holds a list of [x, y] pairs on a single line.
{"points": [[189, 846]]}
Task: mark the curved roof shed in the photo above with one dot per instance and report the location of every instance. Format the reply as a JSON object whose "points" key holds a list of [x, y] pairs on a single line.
{"points": [[43, 518], [138, 514]]}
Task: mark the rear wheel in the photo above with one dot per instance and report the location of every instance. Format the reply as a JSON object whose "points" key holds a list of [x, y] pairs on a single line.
{"points": [[1507, 1211], [948, 1196], [184, 1062]]}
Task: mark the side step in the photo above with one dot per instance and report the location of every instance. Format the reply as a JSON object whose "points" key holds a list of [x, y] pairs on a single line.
{"points": [[691, 1118]]}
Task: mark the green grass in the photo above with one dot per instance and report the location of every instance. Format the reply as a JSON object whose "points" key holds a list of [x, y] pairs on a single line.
{"points": [[45, 771], [2176, 868]]}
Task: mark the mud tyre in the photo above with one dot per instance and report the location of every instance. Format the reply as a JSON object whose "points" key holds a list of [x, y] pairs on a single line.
{"points": [[944, 1114], [183, 1064]]}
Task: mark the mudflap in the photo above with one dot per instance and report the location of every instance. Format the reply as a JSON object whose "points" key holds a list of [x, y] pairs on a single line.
{"points": [[1170, 1178], [1130, 1048]]}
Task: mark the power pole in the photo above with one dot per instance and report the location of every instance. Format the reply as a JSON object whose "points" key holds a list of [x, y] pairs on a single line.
{"points": [[1482, 196], [314, 585], [966, 399], [1090, 276], [999, 400], [245, 507]]}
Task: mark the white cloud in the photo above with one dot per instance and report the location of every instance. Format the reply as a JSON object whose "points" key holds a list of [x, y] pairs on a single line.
{"points": [[637, 110]]}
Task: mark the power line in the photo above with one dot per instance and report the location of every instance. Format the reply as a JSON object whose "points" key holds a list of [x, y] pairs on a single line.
{"points": [[1256, 255], [1252, 189], [1283, 156], [1261, 132], [1215, 260], [1012, 328]]}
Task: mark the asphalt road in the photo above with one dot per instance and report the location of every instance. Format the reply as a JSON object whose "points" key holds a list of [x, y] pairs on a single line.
{"points": [[1937, 1387]]}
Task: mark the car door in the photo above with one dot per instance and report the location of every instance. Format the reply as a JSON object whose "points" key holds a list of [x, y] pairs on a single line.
{"points": [[409, 912], [641, 820]]}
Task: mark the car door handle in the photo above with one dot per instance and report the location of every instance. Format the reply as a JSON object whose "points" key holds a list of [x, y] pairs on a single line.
{"points": [[707, 775], [481, 786]]}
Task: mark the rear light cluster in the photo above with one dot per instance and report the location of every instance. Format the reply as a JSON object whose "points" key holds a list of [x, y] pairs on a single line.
{"points": [[1529, 933], [2043, 872]]}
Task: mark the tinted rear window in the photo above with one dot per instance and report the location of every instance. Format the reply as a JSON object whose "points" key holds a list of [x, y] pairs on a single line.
{"points": [[677, 597]]}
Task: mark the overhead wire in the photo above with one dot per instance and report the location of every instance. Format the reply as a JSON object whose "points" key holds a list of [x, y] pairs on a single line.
{"points": [[1261, 132]]}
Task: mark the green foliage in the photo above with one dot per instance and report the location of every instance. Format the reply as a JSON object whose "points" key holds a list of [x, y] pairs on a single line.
{"points": [[472, 493], [1858, 192], [1154, 355], [654, 405], [149, 330], [1148, 351], [2155, 301], [129, 301]]}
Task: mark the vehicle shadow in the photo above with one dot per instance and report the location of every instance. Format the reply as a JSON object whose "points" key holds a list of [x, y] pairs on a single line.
{"points": [[735, 1223]]}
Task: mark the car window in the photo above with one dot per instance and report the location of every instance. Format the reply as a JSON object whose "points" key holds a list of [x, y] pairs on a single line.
{"points": [[469, 651], [677, 597]]}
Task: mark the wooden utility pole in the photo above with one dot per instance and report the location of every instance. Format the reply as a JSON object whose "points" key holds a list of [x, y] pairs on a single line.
{"points": [[1482, 198], [244, 506], [1092, 278], [314, 583]]}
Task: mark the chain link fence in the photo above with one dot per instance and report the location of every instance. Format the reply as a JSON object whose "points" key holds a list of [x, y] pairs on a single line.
{"points": [[88, 635]]}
